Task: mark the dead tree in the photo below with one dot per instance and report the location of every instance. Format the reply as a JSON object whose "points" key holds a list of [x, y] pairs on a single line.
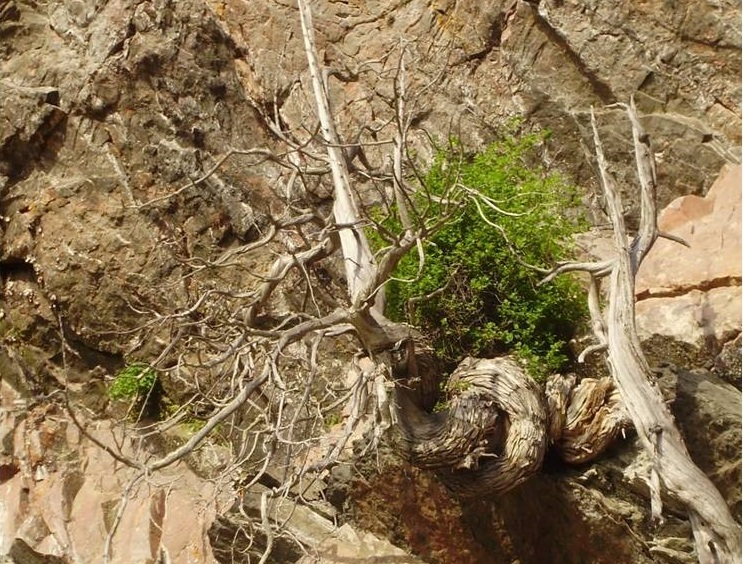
{"points": [[255, 370], [494, 434], [717, 536]]}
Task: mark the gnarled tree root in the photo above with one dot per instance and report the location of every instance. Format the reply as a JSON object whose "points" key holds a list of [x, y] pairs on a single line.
{"points": [[498, 426], [585, 419]]}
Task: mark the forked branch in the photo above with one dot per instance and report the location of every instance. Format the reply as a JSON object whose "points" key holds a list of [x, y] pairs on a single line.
{"points": [[717, 535]]}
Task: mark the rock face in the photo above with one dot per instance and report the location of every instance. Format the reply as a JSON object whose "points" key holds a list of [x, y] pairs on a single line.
{"points": [[60, 495], [109, 111], [549, 61], [692, 296]]}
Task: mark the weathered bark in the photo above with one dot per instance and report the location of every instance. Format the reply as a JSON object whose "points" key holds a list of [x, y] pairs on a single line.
{"points": [[358, 259], [497, 426], [716, 534], [584, 419], [491, 438], [493, 433]]}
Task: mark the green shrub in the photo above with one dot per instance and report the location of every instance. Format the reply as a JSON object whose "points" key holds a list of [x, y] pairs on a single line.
{"points": [[133, 382], [491, 303]]}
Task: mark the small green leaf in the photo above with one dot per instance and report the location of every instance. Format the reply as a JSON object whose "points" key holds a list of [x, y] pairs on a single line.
{"points": [[135, 381]]}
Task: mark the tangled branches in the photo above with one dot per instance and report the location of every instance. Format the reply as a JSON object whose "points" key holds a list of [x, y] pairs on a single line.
{"points": [[261, 358]]}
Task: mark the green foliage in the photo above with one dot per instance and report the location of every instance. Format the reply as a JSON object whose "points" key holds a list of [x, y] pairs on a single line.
{"points": [[331, 420], [491, 303], [189, 424], [133, 382], [192, 425], [8, 332], [448, 391]]}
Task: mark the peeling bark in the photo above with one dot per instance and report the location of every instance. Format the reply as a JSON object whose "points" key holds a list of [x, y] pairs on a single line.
{"points": [[495, 430], [584, 419], [716, 534]]}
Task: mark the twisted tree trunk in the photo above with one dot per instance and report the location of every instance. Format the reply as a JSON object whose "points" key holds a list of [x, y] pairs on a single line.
{"points": [[716, 534], [497, 425], [493, 434]]}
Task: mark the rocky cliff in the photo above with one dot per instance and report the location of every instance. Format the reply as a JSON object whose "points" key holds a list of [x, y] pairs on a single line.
{"points": [[111, 111]]}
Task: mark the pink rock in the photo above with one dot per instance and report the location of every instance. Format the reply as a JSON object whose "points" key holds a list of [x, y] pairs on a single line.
{"points": [[696, 318], [712, 228], [692, 295], [69, 512]]}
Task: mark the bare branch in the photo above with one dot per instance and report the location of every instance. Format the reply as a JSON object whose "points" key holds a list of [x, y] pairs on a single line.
{"points": [[646, 174], [359, 262], [596, 269], [642, 399]]}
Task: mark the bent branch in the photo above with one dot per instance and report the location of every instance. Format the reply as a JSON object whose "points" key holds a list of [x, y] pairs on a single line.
{"points": [[716, 534]]}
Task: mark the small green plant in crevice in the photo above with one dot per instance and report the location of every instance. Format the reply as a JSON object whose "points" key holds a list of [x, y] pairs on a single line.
{"points": [[331, 419], [135, 381], [187, 424], [9, 333], [476, 293], [193, 425], [448, 390]]}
